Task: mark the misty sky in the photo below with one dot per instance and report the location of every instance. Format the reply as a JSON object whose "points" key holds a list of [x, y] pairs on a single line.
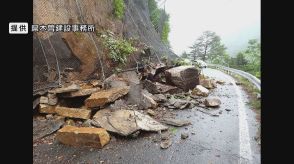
{"points": [[235, 21]]}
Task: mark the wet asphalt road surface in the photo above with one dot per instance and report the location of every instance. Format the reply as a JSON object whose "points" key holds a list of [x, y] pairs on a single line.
{"points": [[212, 140]]}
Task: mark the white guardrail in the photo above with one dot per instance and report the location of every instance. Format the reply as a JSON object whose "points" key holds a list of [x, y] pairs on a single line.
{"points": [[254, 80]]}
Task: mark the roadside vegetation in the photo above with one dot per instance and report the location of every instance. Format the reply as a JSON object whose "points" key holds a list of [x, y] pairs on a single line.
{"points": [[118, 49], [160, 21], [119, 8], [252, 92], [209, 48]]}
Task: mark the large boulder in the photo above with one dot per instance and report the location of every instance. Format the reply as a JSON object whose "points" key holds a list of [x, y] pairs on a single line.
{"points": [[184, 77]]}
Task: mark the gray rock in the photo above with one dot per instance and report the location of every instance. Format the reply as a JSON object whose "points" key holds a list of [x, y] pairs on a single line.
{"points": [[212, 102], [165, 144], [184, 135], [184, 77]]}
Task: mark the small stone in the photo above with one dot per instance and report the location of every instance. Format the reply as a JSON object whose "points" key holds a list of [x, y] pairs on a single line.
{"points": [[165, 144], [70, 122], [184, 135], [151, 112], [212, 102], [87, 123]]}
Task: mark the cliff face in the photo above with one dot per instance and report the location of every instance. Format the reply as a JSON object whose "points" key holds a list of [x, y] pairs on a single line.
{"points": [[62, 56]]}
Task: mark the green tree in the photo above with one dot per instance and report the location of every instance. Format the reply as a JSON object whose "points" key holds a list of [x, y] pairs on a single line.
{"points": [[252, 55], [240, 60], [185, 55], [160, 21], [208, 47]]}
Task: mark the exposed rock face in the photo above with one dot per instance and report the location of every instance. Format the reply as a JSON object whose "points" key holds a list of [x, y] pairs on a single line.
{"points": [[103, 97], [83, 136], [184, 77]]}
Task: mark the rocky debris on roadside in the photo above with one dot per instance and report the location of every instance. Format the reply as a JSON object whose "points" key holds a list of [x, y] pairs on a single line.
{"points": [[80, 93], [103, 97], [36, 102], [175, 122], [44, 127], [156, 87], [184, 135], [208, 83], [65, 88], [238, 83], [221, 82], [83, 136], [165, 144], [147, 100], [120, 100], [151, 112], [70, 122], [119, 104], [161, 98], [184, 77], [199, 90], [44, 108], [73, 112], [126, 122], [212, 102]]}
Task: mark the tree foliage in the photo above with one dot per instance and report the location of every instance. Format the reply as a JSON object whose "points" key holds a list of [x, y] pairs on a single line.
{"points": [[208, 47], [160, 21], [249, 59]]}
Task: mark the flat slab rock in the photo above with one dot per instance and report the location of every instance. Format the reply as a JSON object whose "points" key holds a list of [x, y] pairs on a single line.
{"points": [[126, 122], [83, 136], [103, 97], [64, 89], [44, 127], [73, 112], [81, 92], [156, 87], [175, 122]]}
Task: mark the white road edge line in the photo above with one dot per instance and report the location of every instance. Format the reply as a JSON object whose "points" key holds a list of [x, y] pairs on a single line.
{"points": [[244, 139]]}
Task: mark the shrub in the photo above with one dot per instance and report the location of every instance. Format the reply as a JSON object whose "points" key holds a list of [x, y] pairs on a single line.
{"points": [[119, 8], [118, 49]]}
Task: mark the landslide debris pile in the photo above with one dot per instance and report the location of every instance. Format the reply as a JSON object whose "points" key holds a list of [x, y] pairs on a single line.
{"points": [[90, 113]]}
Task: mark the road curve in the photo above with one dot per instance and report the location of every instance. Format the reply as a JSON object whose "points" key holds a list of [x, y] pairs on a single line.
{"points": [[254, 80]]}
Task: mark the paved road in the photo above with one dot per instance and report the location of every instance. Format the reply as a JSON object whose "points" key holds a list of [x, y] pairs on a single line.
{"points": [[227, 139]]}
